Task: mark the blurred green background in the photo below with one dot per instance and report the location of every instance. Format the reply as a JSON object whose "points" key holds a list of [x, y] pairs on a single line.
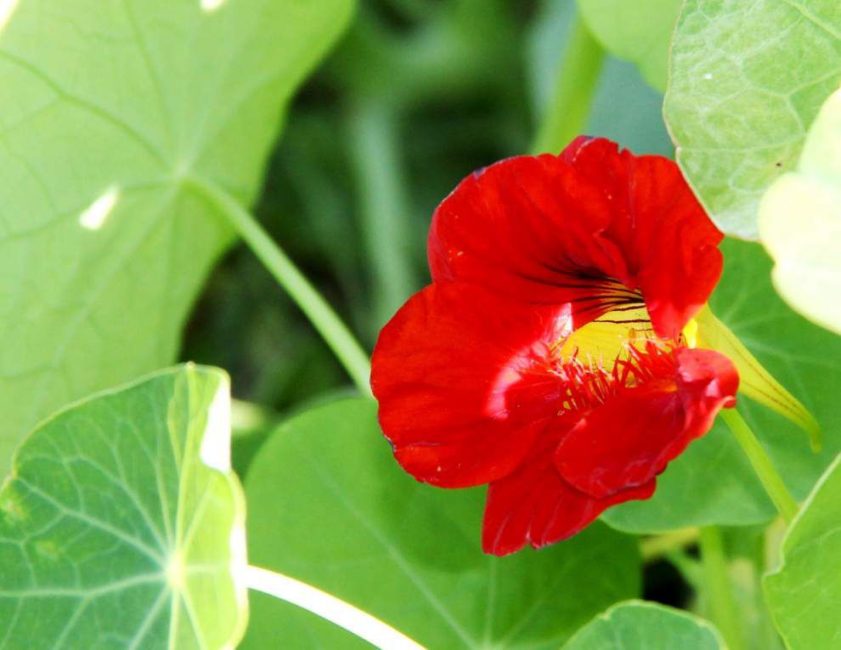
{"points": [[417, 95]]}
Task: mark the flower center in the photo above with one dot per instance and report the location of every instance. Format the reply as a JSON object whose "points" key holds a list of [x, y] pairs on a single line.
{"points": [[615, 351], [578, 369], [587, 384], [608, 339]]}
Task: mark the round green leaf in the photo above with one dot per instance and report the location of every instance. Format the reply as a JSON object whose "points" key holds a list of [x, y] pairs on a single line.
{"points": [[639, 32], [325, 485], [712, 482], [803, 594], [122, 526], [747, 78], [800, 223], [109, 105], [637, 625]]}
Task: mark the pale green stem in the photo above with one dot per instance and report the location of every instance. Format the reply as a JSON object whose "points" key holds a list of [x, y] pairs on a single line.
{"points": [[718, 591], [330, 608], [762, 464], [384, 208], [659, 546], [575, 85], [320, 313]]}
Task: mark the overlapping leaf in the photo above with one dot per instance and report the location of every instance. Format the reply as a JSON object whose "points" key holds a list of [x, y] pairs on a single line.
{"points": [[803, 594], [122, 526], [107, 106], [800, 223], [747, 79], [637, 625]]}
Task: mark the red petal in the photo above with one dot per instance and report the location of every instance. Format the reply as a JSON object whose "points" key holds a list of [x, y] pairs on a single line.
{"points": [[460, 379], [535, 505], [632, 437], [571, 151], [538, 228], [518, 226], [679, 263]]}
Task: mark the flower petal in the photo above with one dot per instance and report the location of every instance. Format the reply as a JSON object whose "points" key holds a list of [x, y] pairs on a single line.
{"points": [[460, 376], [534, 505], [631, 438], [550, 229]]}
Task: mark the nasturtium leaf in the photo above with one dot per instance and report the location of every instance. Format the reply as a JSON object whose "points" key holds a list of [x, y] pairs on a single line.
{"points": [[325, 485], [639, 32], [747, 78], [804, 592], [800, 223], [121, 524], [108, 105], [638, 625], [712, 482]]}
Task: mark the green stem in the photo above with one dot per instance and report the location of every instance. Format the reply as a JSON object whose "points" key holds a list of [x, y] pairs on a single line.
{"points": [[319, 312], [375, 151], [575, 85], [720, 600], [659, 546], [762, 464]]}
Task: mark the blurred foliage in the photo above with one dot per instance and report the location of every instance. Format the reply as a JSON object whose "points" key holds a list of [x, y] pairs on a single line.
{"points": [[418, 94]]}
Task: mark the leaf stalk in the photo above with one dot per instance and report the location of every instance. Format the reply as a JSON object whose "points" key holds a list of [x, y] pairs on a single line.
{"points": [[330, 608], [762, 464], [322, 316]]}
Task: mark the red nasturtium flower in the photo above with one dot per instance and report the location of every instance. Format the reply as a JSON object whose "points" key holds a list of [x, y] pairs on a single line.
{"points": [[555, 356]]}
